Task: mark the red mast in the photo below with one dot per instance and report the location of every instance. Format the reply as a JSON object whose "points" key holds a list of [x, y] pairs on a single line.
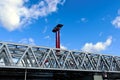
{"points": [[56, 30]]}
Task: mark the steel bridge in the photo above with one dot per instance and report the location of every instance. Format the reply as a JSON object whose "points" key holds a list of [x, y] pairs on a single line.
{"points": [[32, 62]]}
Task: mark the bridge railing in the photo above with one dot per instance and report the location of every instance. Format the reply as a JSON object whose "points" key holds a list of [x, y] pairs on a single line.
{"points": [[19, 55]]}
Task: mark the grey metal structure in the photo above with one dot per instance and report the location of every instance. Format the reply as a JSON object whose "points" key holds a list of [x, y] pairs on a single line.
{"points": [[14, 55]]}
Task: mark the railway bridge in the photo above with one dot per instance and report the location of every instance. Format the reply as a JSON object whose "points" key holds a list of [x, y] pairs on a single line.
{"points": [[26, 62]]}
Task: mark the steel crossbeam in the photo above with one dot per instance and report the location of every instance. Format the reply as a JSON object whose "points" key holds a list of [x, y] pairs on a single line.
{"points": [[37, 57]]}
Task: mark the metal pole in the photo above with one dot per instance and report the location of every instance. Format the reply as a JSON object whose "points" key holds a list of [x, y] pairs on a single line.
{"points": [[56, 30], [25, 78], [58, 38]]}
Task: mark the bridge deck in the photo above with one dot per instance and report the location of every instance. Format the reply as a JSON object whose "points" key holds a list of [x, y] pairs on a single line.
{"points": [[38, 74]]}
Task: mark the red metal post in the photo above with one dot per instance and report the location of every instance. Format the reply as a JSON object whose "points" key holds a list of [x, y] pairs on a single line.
{"points": [[58, 39], [56, 30]]}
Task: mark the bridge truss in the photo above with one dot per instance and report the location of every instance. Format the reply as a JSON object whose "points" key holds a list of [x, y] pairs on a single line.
{"points": [[36, 57]]}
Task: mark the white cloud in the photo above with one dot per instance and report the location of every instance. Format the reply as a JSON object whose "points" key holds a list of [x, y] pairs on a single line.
{"points": [[45, 29], [14, 14], [47, 37], [100, 34], [99, 46], [63, 47], [62, 2], [29, 41], [83, 19], [116, 22], [46, 20]]}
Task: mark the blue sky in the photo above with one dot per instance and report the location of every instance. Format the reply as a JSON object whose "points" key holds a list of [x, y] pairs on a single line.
{"points": [[89, 25]]}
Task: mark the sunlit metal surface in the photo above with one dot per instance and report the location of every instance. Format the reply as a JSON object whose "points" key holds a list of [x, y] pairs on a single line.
{"points": [[14, 55]]}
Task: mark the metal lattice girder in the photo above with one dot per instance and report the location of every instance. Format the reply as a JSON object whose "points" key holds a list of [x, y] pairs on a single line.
{"points": [[27, 56]]}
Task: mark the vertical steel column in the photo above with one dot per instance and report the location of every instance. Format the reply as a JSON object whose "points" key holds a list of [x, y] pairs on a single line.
{"points": [[56, 30], [25, 78], [58, 39]]}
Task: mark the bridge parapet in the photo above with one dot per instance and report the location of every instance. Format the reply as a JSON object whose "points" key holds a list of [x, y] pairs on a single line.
{"points": [[38, 57]]}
